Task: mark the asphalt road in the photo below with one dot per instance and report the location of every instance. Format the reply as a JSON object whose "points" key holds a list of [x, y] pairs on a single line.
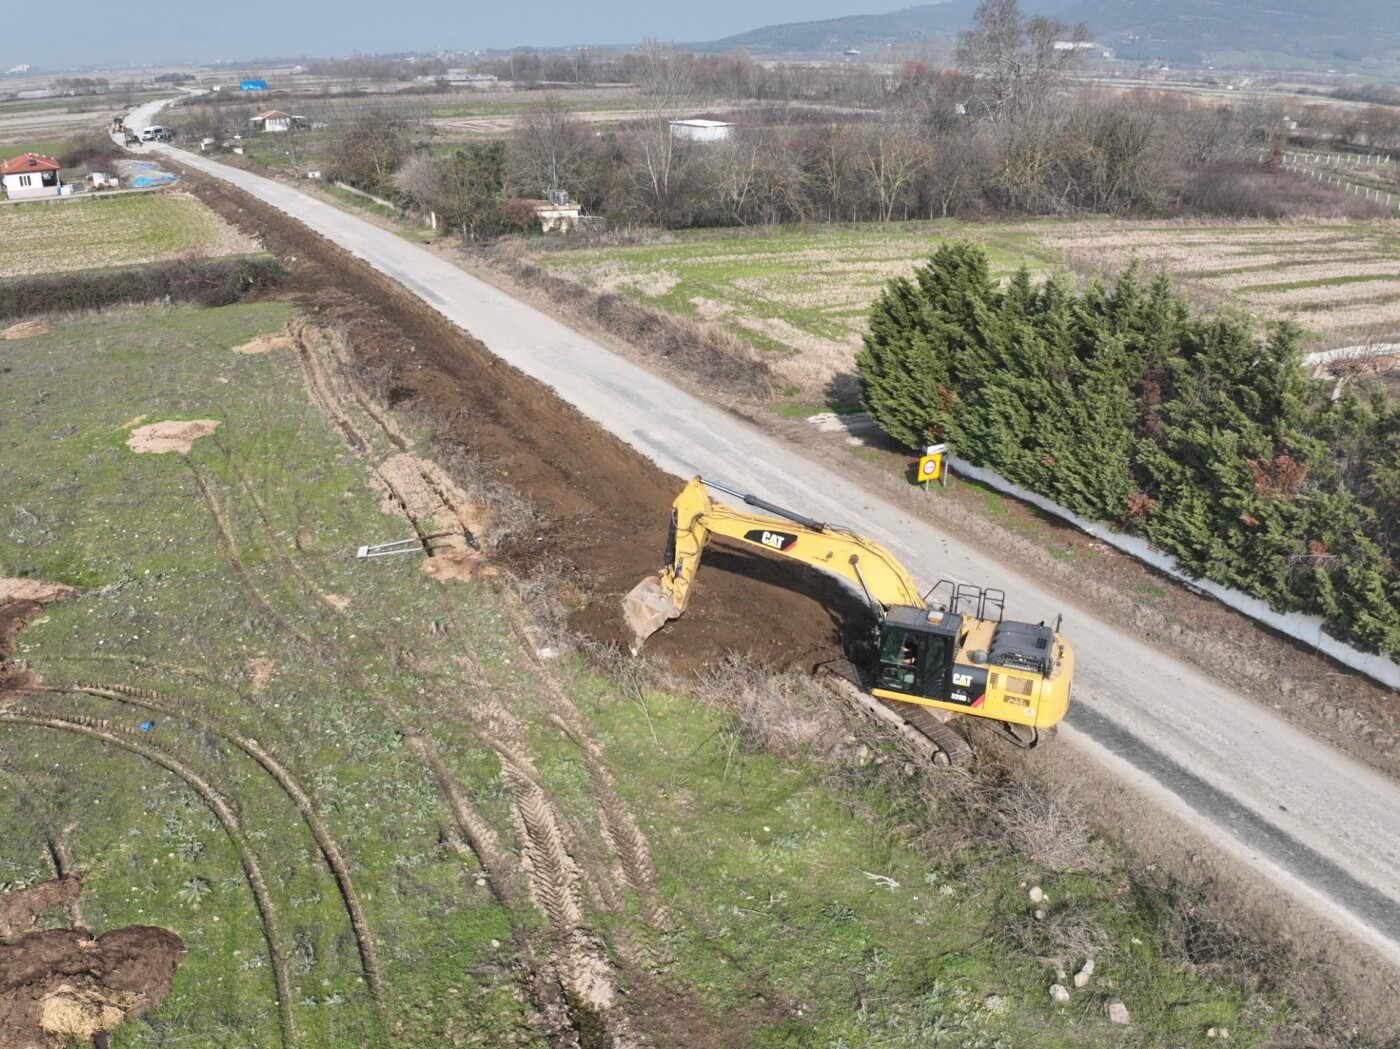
{"points": [[1319, 825]]}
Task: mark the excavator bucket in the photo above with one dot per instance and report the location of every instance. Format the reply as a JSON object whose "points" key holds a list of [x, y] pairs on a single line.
{"points": [[647, 609]]}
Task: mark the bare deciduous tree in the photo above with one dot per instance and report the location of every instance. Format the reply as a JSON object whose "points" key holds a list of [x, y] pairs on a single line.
{"points": [[551, 150], [888, 161], [664, 84], [367, 151], [1020, 64]]}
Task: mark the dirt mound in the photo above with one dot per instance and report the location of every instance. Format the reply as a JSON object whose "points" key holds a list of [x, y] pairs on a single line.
{"points": [[176, 436], [61, 985], [419, 489], [26, 330], [266, 344]]}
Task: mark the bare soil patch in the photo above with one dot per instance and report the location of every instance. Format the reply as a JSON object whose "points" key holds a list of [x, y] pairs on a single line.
{"points": [[259, 674], [33, 590], [21, 908], [266, 344], [26, 330], [22, 601], [176, 436]]}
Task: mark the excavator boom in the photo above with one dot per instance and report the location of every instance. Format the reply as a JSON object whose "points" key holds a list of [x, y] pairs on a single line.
{"points": [[695, 516]]}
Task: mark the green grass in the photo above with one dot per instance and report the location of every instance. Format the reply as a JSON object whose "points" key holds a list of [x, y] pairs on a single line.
{"points": [[167, 610], [101, 231], [199, 568], [44, 147], [803, 294], [779, 286]]}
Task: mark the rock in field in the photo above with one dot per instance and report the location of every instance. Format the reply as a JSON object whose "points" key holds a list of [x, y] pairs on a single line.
{"points": [[1117, 1011], [1059, 992]]}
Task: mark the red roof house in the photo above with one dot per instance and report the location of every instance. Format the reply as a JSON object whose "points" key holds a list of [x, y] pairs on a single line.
{"points": [[30, 175]]}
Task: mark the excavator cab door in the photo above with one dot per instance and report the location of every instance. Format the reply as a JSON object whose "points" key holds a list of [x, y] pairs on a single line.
{"points": [[915, 662]]}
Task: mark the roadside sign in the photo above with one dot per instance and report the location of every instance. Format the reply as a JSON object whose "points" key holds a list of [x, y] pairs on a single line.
{"points": [[931, 466]]}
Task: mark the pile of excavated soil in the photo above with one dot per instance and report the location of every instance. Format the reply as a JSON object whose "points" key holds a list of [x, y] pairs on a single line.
{"points": [[608, 506], [175, 436], [25, 330], [435, 504], [266, 344], [58, 986]]}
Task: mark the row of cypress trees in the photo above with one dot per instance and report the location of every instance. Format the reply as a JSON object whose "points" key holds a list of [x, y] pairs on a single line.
{"points": [[1127, 407]]}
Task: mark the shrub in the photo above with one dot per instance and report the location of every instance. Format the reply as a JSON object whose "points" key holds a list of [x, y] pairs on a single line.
{"points": [[207, 282]]}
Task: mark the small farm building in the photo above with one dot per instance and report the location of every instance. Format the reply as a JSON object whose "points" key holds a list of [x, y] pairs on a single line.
{"points": [[702, 130], [275, 120], [31, 175], [558, 214]]}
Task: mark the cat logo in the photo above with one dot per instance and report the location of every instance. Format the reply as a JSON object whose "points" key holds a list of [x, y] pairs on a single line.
{"points": [[962, 680], [780, 541]]}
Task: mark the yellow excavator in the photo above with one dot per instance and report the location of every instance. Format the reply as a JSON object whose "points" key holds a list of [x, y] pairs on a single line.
{"points": [[944, 653]]}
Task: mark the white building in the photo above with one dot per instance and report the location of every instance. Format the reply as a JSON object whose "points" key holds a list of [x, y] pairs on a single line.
{"points": [[272, 120], [31, 175], [702, 130]]}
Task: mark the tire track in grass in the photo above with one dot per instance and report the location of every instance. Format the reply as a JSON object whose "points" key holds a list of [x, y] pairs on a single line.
{"points": [[583, 972], [476, 831], [149, 699], [262, 898], [273, 538], [620, 829], [230, 550]]}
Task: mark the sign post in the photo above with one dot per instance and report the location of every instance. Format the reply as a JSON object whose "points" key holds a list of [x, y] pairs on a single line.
{"points": [[932, 466]]}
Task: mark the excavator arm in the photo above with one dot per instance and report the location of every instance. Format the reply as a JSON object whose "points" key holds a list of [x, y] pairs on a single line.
{"points": [[695, 517]]}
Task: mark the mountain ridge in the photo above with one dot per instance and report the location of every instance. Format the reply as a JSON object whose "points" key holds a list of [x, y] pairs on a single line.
{"points": [[1194, 31]]}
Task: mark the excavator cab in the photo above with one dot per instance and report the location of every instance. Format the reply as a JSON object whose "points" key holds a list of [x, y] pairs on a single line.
{"points": [[916, 652]]}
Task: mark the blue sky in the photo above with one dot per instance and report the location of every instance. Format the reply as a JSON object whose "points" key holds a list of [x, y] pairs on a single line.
{"points": [[103, 32]]}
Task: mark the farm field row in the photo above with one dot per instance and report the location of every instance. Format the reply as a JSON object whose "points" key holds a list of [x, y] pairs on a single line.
{"points": [[102, 231], [804, 292]]}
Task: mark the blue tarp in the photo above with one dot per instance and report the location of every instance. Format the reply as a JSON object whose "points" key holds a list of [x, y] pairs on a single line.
{"points": [[152, 180], [253, 85]]}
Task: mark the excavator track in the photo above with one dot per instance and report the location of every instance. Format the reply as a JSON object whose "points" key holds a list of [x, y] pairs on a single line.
{"points": [[920, 733]]}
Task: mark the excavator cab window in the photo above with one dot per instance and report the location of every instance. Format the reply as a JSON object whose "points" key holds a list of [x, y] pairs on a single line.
{"points": [[914, 663]]}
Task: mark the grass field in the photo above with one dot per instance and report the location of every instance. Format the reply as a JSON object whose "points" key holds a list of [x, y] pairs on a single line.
{"points": [[803, 293], [100, 231], [44, 147], [782, 902]]}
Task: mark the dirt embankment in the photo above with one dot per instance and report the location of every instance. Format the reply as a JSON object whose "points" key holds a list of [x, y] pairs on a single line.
{"points": [[606, 506], [58, 986]]}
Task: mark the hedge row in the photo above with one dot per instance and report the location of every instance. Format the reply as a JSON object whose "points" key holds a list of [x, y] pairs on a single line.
{"points": [[208, 282], [1125, 407]]}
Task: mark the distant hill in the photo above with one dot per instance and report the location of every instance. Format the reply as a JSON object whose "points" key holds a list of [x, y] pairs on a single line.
{"points": [[1250, 32], [865, 31], [1327, 31]]}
